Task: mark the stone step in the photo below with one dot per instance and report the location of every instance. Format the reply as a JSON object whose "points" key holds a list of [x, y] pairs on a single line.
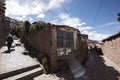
{"points": [[48, 77], [15, 72], [18, 44], [29, 75], [15, 38]]}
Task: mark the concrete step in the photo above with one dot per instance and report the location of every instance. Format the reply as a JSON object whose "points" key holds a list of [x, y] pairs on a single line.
{"points": [[48, 77], [29, 75], [18, 44], [15, 38], [15, 72]]}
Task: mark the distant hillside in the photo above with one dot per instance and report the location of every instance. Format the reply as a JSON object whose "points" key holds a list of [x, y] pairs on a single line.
{"points": [[92, 41]]}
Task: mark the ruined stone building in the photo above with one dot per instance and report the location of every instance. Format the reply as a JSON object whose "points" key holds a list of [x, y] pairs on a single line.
{"points": [[111, 48], [59, 43], [4, 27]]}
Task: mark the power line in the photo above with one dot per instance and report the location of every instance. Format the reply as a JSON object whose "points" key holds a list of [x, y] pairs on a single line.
{"points": [[63, 7], [97, 13], [36, 6], [66, 11]]}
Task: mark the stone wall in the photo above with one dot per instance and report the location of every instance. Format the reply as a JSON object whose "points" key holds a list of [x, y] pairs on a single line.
{"points": [[4, 24], [4, 31], [42, 41], [45, 41], [111, 48], [2, 7]]}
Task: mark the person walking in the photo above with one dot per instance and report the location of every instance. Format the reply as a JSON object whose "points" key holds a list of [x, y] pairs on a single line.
{"points": [[9, 42]]}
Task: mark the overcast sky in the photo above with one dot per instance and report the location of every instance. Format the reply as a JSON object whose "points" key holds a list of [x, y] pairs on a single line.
{"points": [[97, 18]]}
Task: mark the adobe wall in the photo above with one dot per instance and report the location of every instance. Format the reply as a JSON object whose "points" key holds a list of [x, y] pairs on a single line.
{"points": [[4, 31], [111, 49], [83, 48], [4, 24], [40, 40], [54, 65], [45, 42]]}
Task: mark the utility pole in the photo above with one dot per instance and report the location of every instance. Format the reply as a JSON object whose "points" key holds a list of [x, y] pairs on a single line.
{"points": [[119, 17]]}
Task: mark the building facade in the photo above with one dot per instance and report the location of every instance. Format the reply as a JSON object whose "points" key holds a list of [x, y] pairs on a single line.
{"points": [[59, 43]]}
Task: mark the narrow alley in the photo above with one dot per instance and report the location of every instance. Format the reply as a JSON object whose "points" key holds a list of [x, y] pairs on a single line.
{"points": [[14, 65], [99, 67], [59, 40]]}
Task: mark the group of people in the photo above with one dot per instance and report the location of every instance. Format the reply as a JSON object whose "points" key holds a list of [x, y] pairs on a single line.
{"points": [[96, 50]]}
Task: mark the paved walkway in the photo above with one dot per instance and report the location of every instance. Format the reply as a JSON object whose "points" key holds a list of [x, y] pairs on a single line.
{"points": [[13, 60], [99, 67], [76, 68]]}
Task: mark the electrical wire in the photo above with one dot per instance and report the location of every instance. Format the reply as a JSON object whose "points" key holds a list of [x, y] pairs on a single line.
{"points": [[36, 6], [66, 11], [98, 11]]}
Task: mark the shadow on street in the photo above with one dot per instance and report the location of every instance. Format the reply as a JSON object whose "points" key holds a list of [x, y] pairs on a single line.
{"points": [[95, 67], [8, 51], [97, 70]]}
